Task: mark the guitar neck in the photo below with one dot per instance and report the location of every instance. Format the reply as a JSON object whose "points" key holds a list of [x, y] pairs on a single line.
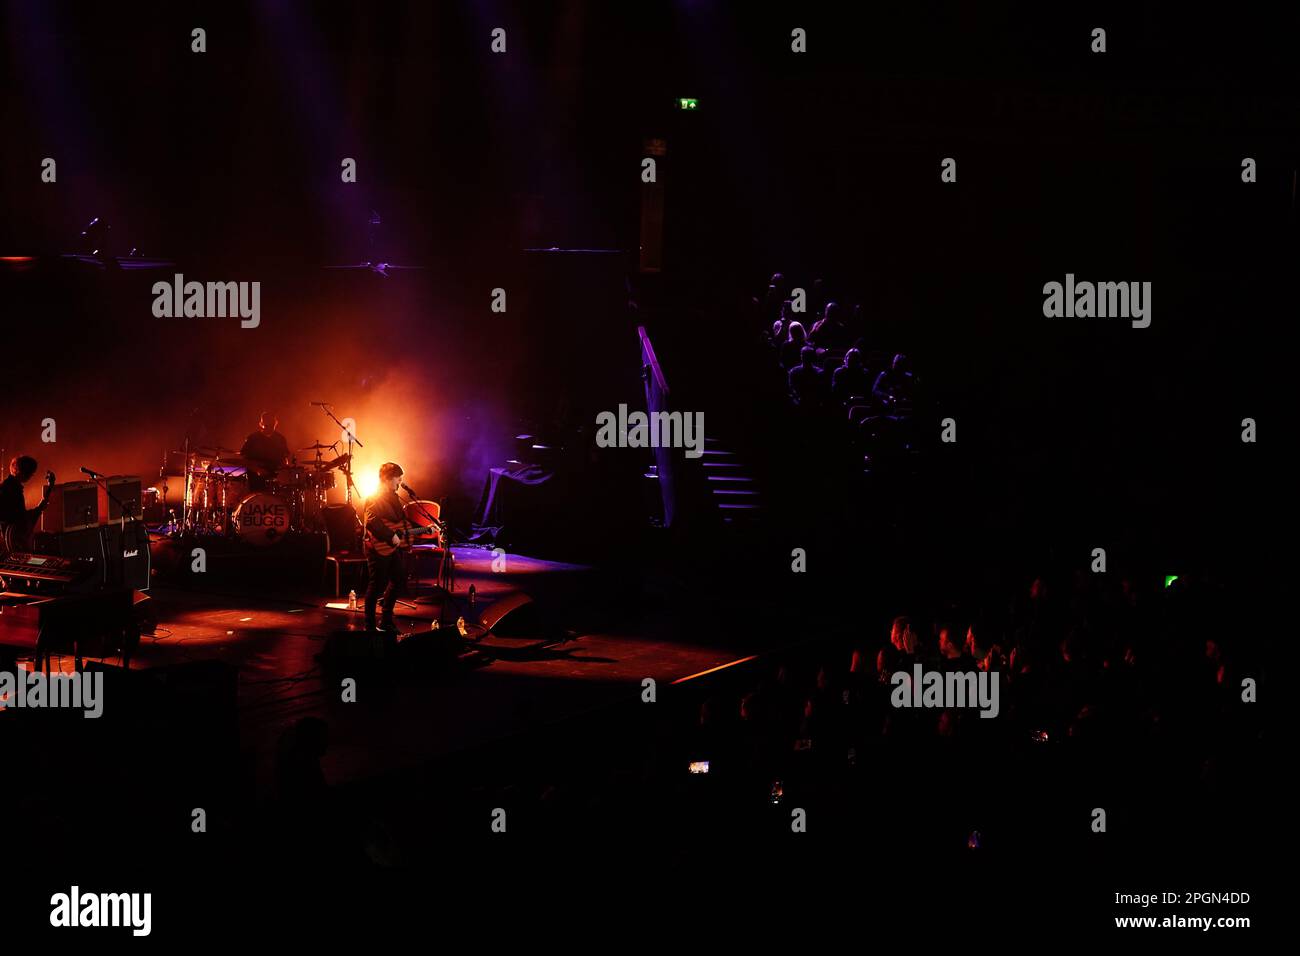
{"points": [[411, 532]]}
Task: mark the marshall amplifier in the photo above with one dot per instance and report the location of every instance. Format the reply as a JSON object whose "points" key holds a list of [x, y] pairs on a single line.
{"points": [[73, 505], [128, 553], [119, 556]]}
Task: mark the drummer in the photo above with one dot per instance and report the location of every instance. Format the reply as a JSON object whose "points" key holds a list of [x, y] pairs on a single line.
{"points": [[265, 447]]}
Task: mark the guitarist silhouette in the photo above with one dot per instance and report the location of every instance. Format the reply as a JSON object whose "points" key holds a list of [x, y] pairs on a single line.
{"points": [[387, 535], [17, 521]]}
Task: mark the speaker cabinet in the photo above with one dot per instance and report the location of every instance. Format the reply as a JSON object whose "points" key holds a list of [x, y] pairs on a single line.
{"points": [[125, 494], [120, 555], [73, 505], [127, 550]]}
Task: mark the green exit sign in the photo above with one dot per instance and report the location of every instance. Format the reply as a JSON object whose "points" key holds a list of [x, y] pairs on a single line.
{"points": [[688, 103]]}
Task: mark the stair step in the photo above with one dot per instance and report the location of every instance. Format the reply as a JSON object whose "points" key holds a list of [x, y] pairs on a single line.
{"points": [[728, 478], [734, 491], [740, 507]]}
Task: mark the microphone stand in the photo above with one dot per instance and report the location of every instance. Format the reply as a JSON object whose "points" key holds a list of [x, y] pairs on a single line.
{"points": [[349, 485], [329, 410]]}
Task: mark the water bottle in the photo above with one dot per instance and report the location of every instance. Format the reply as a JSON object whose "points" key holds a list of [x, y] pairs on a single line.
{"points": [[352, 600]]}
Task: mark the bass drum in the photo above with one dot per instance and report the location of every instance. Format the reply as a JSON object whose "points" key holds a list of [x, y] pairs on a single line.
{"points": [[262, 520]]}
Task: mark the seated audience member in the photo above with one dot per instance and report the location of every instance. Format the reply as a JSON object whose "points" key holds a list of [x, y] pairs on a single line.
{"points": [[894, 385], [783, 323], [830, 332], [850, 378], [806, 379], [795, 340]]}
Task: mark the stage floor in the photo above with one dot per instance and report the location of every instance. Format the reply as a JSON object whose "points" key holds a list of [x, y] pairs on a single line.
{"points": [[498, 687]]}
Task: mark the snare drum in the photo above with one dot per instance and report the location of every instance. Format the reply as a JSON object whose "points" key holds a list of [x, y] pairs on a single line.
{"points": [[261, 519]]}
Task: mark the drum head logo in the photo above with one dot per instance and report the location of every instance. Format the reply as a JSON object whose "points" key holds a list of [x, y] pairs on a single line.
{"points": [[262, 519]]}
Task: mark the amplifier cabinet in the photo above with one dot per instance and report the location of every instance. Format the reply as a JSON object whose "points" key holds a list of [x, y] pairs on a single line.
{"points": [[127, 490], [73, 505]]}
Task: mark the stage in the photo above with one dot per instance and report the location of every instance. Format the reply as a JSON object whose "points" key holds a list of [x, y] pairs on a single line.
{"points": [[497, 685]]}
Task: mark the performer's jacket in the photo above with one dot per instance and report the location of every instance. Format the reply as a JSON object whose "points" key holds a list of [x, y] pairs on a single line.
{"points": [[384, 518]]}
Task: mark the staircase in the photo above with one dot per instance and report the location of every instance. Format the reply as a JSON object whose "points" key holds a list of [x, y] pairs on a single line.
{"points": [[731, 485]]}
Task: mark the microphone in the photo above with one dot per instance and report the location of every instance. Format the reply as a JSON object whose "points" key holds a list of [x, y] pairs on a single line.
{"points": [[93, 474], [407, 489], [320, 403]]}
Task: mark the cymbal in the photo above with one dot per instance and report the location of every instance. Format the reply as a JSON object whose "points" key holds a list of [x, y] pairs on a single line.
{"points": [[239, 461], [317, 446], [212, 451]]}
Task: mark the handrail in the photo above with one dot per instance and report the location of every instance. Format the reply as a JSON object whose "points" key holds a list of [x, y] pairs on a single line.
{"points": [[649, 351]]}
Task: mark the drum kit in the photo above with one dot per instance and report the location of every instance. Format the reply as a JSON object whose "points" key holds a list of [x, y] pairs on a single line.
{"points": [[234, 496]]}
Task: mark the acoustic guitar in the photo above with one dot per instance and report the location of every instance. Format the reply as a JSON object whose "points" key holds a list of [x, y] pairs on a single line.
{"points": [[407, 536]]}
